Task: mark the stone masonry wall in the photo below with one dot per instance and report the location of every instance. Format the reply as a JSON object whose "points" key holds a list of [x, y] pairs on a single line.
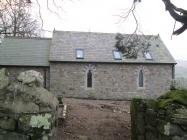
{"points": [[110, 81], [15, 70], [27, 110], [162, 119]]}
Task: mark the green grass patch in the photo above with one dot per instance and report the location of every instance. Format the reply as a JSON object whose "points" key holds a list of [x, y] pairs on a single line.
{"points": [[173, 97]]}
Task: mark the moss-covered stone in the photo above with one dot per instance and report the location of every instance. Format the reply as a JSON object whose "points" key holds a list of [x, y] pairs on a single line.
{"points": [[161, 126], [173, 130], [150, 116], [28, 111], [180, 117], [7, 135], [150, 136], [23, 123], [4, 80], [31, 77], [164, 137], [179, 138], [7, 123], [151, 104], [137, 118], [173, 97], [41, 121], [18, 106], [161, 119]]}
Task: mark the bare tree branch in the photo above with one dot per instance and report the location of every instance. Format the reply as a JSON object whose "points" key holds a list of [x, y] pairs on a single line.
{"points": [[16, 20], [180, 17], [40, 14], [52, 10]]}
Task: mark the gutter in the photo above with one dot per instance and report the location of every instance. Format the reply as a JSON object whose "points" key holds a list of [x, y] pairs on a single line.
{"points": [[110, 62]]}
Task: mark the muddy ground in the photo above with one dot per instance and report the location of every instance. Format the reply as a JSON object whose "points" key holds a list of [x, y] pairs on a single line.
{"points": [[95, 120]]}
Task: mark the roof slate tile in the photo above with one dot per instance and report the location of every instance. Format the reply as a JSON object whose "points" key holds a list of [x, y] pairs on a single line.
{"points": [[98, 47], [25, 51]]}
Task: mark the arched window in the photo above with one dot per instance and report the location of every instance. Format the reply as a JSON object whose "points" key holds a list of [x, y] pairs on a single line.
{"points": [[89, 79], [141, 79]]}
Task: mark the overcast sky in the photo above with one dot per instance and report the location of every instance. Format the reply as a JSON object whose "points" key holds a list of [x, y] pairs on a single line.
{"points": [[102, 16]]}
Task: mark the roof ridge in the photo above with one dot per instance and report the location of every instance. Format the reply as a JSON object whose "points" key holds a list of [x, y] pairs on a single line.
{"points": [[36, 38], [103, 33]]}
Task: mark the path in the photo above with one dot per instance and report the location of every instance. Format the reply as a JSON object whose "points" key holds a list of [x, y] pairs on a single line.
{"points": [[96, 120]]}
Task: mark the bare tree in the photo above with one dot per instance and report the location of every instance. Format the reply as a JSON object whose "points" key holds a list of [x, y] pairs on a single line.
{"points": [[178, 14], [16, 19]]}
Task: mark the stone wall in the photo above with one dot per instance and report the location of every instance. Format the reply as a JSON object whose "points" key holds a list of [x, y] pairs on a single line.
{"points": [[27, 110], [162, 119], [110, 81], [15, 70]]}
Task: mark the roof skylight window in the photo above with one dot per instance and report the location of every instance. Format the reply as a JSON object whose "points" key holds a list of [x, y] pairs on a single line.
{"points": [[117, 55], [79, 53], [147, 55]]}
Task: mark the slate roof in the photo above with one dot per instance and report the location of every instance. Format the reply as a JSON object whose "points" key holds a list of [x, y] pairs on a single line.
{"points": [[25, 52], [98, 47]]}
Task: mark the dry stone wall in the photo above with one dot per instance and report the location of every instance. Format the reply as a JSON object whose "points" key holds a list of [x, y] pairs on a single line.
{"points": [[161, 119], [27, 110]]}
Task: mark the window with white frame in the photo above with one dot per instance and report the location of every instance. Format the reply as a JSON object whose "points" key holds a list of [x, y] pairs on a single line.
{"points": [[79, 54], [116, 55], [147, 55]]}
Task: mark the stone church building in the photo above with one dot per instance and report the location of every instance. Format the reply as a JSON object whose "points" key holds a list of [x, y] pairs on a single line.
{"points": [[87, 65]]}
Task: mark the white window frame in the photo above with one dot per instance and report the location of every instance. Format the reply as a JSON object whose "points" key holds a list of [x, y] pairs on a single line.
{"points": [[114, 56], [147, 55], [77, 55]]}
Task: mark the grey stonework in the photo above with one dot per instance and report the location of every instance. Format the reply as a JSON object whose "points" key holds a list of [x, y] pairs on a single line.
{"points": [[164, 118], [110, 81], [28, 111], [15, 70]]}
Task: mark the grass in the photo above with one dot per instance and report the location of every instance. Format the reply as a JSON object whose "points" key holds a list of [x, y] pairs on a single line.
{"points": [[173, 97]]}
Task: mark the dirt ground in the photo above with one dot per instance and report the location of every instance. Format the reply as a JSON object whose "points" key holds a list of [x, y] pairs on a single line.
{"points": [[95, 120]]}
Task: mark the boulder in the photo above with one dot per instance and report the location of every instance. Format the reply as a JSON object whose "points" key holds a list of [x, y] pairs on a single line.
{"points": [[4, 80], [28, 122], [5, 135], [31, 78], [19, 106], [27, 110], [164, 118], [27, 95], [7, 123]]}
